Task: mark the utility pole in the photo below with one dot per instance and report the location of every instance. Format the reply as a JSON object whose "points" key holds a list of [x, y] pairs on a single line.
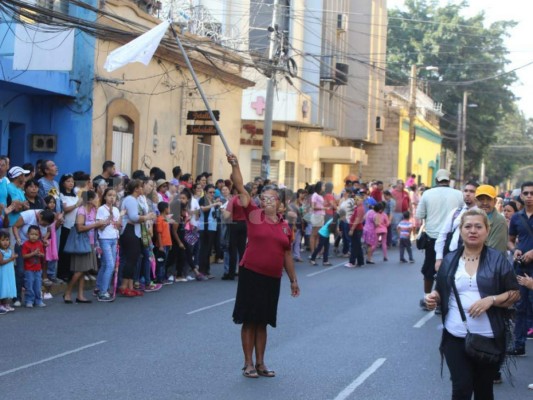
{"points": [[269, 101], [463, 135], [412, 118], [459, 151]]}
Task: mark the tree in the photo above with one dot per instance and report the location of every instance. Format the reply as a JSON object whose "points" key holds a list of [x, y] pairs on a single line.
{"points": [[470, 57]]}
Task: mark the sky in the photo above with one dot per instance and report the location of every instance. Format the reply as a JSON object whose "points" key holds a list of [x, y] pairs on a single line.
{"points": [[520, 42]]}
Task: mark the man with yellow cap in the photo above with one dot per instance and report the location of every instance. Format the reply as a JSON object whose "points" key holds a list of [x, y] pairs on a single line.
{"points": [[498, 235]]}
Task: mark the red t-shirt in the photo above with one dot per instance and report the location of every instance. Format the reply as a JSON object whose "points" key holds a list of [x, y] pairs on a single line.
{"points": [[377, 195], [358, 213], [267, 243], [236, 210], [402, 200], [33, 263]]}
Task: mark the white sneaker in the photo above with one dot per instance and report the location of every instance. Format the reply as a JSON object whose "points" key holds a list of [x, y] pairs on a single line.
{"points": [[349, 265], [191, 278], [17, 304], [171, 278], [47, 296], [181, 279]]}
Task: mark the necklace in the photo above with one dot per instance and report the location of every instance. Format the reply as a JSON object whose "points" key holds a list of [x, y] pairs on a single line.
{"points": [[471, 259]]}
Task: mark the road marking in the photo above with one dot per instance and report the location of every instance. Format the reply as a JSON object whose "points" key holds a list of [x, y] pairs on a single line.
{"points": [[360, 379], [212, 306], [52, 358], [426, 318], [326, 269]]}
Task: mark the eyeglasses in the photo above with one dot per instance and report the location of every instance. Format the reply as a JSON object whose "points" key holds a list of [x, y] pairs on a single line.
{"points": [[269, 198], [527, 194], [211, 192]]}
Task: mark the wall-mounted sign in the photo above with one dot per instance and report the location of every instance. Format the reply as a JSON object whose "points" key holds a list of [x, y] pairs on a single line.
{"points": [[202, 115], [208, 130]]}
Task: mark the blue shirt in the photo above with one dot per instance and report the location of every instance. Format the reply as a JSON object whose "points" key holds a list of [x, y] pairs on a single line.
{"points": [[517, 228], [207, 220], [15, 193], [324, 231]]}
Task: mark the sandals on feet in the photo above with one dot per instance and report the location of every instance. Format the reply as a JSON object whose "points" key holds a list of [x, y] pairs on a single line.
{"points": [[252, 373], [264, 372]]}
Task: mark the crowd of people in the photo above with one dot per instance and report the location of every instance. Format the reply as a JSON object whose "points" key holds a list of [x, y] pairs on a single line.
{"points": [[133, 235]]}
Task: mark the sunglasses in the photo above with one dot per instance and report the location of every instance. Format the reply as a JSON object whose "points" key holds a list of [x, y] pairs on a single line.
{"points": [[527, 194]]}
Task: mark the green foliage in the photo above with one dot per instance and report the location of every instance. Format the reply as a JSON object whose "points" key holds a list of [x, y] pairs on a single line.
{"points": [[512, 147], [470, 56]]}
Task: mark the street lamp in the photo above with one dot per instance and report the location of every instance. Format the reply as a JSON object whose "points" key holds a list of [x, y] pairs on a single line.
{"points": [[412, 112]]}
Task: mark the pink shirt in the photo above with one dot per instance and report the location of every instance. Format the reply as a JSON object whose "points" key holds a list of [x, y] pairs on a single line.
{"points": [[267, 243], [317, 201]]}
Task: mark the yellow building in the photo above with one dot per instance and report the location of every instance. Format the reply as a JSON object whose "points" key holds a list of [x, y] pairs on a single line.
{"points": [[388, 162]]}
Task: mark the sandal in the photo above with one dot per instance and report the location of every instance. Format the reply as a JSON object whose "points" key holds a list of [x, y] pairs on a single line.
{"points": [[249, 374], [264, 372]]}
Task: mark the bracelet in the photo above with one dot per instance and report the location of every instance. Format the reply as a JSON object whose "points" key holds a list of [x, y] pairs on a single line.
{"points": [[493, 300]]}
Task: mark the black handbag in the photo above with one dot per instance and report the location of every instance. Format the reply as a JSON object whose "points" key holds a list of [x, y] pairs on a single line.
{"points": [[422, 241], [478, 347]]}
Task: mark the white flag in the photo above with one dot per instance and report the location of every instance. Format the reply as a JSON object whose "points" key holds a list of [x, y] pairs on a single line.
{"points": [[141, 49]]}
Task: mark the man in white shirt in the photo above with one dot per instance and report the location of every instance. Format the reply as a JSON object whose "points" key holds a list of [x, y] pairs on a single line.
{"points": [[434, 207], [451, 224]]}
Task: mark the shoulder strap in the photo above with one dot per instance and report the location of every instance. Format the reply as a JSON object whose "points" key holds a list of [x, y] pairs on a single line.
{"points": [[459, 305]]}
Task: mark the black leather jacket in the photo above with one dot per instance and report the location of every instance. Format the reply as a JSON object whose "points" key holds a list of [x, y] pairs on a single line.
{"points": [[495, 275]]}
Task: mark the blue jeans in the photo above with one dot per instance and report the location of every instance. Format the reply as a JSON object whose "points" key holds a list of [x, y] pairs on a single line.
{"points": [[109, 258], [32, 283], [296, 245], [346, 239], [145, 266], [51, 268], [523, 308], [396, 219]]}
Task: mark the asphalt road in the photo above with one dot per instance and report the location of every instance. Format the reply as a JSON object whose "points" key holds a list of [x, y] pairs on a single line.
{"points": [[352, 334]]}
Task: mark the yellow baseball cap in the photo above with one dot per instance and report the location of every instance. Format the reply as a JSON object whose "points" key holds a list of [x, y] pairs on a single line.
{"points": [[486, 190]]}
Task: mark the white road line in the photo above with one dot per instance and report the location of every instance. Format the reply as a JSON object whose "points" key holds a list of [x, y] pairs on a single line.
{"points": [[360, 379], [426, 318], [212, 306], [52, 358], [326, 269]]}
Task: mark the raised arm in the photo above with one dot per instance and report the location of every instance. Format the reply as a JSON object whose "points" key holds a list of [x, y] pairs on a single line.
{"points": [[236, 178]]}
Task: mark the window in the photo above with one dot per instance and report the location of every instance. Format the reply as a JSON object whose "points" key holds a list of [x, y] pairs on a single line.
{"points": [[203, 158], [122, 145], [289, 174]]}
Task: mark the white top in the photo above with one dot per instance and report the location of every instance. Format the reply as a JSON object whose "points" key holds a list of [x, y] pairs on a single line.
{"points": [[195, 206], [469, 294], [110, 231], [70, 217], [30, 218], [435, 205], [450, 226]]}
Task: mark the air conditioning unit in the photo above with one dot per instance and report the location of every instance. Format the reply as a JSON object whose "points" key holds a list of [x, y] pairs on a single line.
{"points": [[341, 74], [380, 123], [342, 22], [44, 143]]}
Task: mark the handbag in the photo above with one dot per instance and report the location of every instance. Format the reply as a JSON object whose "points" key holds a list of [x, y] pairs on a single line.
{"points": [[77, 242], [478, 347], [449, 235], [422, 240], [191, 237]]}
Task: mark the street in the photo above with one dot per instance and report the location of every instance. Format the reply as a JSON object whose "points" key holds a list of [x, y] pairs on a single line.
{"points": [[352, 334]]}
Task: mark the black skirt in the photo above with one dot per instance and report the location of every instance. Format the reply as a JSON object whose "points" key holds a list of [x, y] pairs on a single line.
{"points": [[257, 298]]}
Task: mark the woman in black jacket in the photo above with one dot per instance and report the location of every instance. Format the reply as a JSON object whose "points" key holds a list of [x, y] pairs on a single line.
{"points": [[487, 285]]}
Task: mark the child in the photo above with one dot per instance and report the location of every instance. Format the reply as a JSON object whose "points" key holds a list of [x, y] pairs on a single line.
{"points": [[162, 240], [327, 229], [382, 224], [405, 227], [107, 237], [33, 255], [369, 234], [8, 287], [51, 256]]}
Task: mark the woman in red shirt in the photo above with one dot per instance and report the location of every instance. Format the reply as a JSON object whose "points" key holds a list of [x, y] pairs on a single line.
{"points": [[259, 276]]}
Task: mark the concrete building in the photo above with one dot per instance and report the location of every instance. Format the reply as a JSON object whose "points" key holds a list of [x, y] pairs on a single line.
{"points": [[46, 87]]}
